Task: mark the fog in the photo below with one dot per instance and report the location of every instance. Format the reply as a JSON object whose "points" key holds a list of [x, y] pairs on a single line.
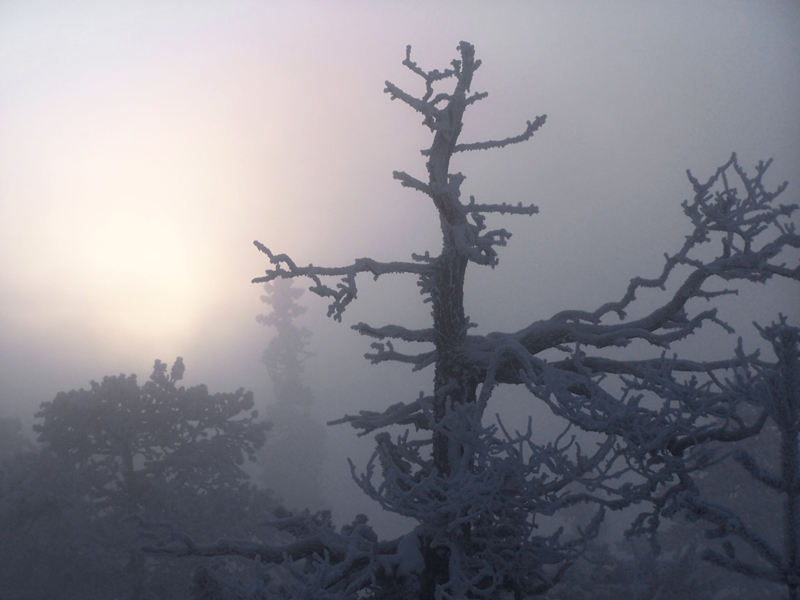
{"points": [[145, 145]]}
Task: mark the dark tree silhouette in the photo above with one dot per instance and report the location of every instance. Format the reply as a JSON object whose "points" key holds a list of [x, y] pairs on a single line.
{"points": [[481, 492], [132, 441], [53, 544], [158, 451]]}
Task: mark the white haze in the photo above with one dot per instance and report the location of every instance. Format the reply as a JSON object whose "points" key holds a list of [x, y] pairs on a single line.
{"points": [[145, 145]]}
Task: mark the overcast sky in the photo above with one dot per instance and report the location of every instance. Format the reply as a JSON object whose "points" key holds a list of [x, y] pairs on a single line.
{"points": [[145, 145]]}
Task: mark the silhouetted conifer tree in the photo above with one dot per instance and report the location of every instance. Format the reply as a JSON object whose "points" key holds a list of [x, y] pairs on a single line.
{"points": [[293, 457], [160, 452]]}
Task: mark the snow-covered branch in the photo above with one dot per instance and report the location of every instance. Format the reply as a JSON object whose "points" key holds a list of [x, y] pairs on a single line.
{"points": [[502, 208], [346, 290], [636, 431], [744, 222], [395, 332], [532, 127], [397, 414], [774, 389]]}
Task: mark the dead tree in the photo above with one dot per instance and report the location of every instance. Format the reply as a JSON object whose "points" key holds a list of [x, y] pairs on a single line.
{"points": [[478, 490]]}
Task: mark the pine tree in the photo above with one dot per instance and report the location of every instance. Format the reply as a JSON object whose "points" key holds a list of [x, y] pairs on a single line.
{"points": [[159, 452], [293, 457]]}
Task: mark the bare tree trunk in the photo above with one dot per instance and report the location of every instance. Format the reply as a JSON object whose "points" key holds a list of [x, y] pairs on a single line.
{"points": [[452, 385]]}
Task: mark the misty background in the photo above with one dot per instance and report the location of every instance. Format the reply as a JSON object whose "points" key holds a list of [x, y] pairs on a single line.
{"points": [[145, 145]]}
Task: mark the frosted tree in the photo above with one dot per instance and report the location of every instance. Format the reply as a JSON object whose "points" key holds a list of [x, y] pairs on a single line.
{"points": [[479, 491], [292, 460], [775, 389]]}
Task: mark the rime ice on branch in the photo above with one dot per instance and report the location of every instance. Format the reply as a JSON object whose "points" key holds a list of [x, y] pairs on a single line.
{"points": [[775, 389], [478, 491]]}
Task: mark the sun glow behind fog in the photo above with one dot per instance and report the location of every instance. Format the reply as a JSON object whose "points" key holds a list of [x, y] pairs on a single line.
{"points": [[143, 146], [150, 146], [135, 183], [122, 190]]}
